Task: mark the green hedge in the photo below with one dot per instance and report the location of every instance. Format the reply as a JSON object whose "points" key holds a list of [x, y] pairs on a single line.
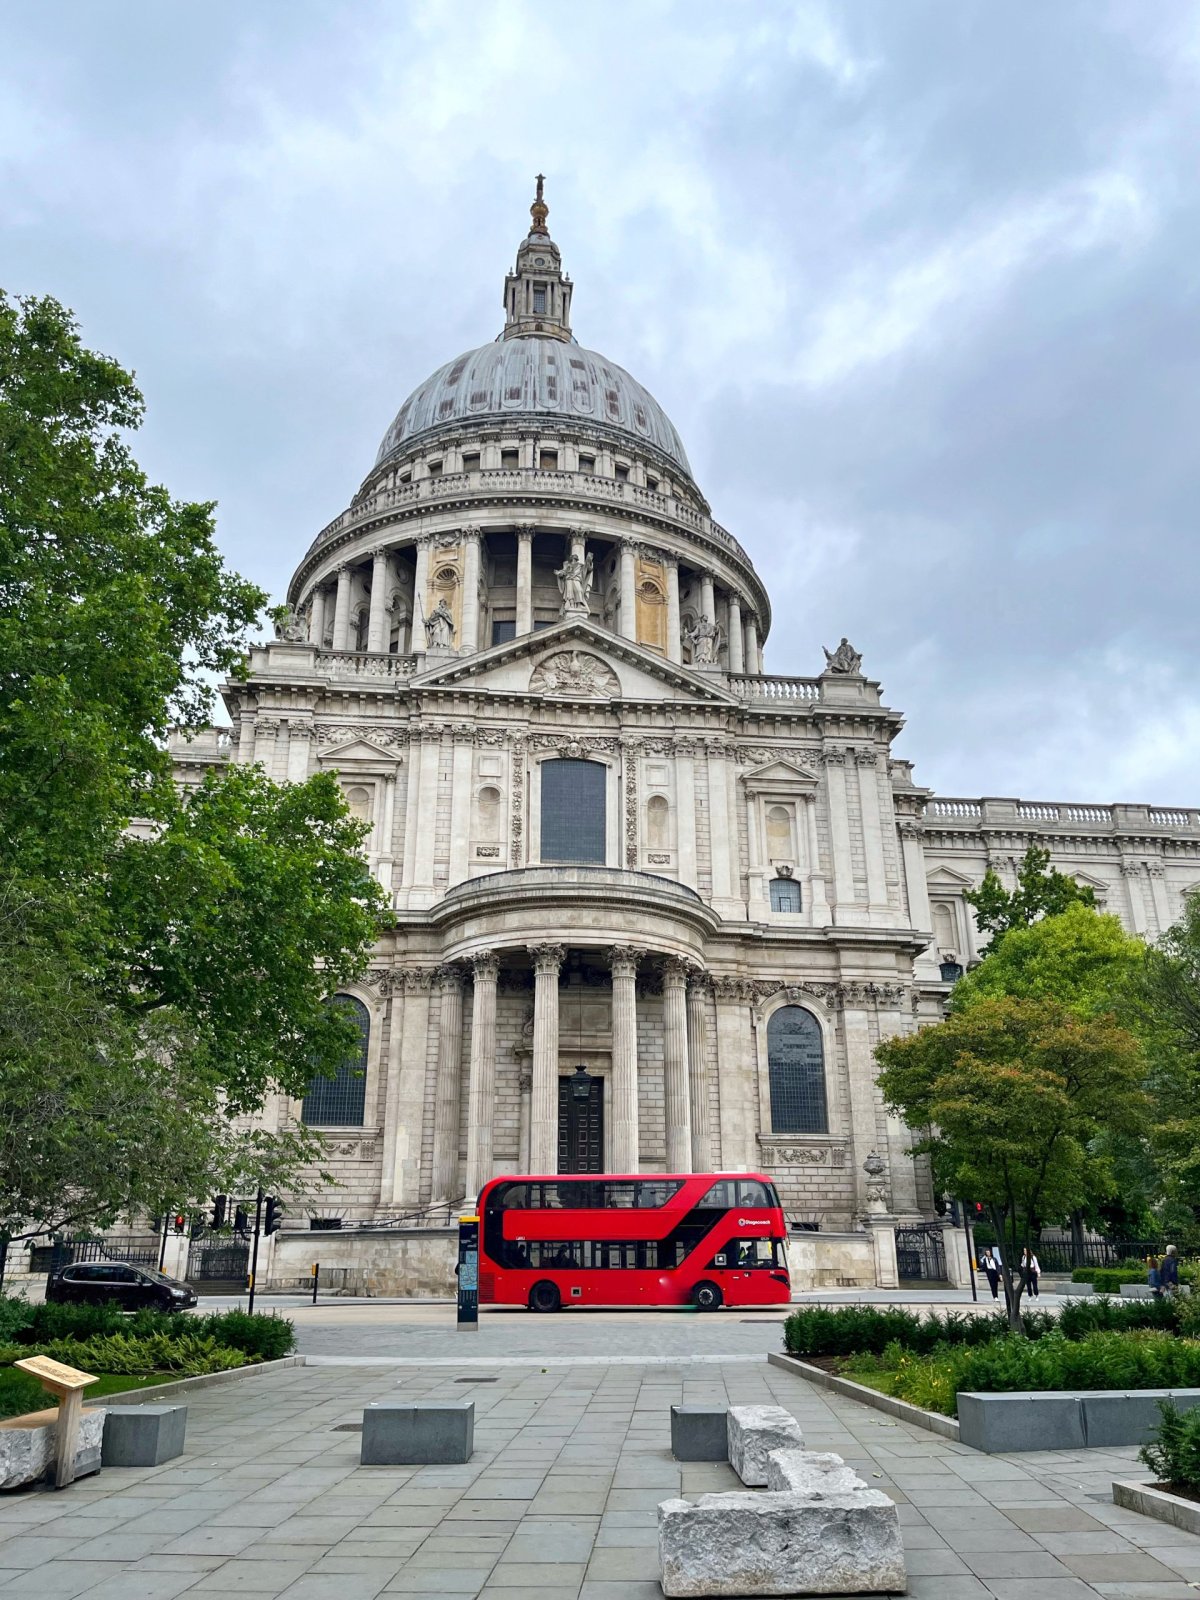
{"points": [[126, 1353], [1108, 1280], [267, 1337], [1082, 1317], [1173, 1455], [1146, 1359], [850, 1330], [20, 1393]]}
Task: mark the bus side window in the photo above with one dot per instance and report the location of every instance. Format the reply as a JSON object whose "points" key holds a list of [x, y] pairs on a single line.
{"points": [[752, 1193], [720, 1197]]}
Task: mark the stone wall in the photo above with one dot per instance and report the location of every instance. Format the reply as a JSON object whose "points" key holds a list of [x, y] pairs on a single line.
{"points": [[405, 1264], [831, 1261]]}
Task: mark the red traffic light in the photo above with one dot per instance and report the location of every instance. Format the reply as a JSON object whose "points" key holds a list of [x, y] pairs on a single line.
{"points": [[180, 1222]]}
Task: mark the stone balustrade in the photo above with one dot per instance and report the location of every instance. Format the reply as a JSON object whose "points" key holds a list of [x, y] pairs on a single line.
{"points": [[366, 664], [758, 686], [997, 812]]}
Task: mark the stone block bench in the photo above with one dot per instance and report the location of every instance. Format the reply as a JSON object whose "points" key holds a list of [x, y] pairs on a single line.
{"points": [[143, 1436], [818, 1530], [417, 1433], [699, 1433], [1063, 1420], [29, 1446]]}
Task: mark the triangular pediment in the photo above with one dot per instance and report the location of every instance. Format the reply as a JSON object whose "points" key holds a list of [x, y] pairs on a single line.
{"points": [[573, 661], [948, 878], [779, 774], [361, 750]]}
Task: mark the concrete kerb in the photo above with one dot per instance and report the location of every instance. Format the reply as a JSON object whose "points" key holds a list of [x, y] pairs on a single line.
{"points": [[1157, 1503], [177, 1388], [901, 1409]]}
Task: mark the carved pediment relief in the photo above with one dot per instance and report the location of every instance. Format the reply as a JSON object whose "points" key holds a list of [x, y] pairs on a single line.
{"points": [[947, 878], [357, 750], [779, 776], [575, 675]]}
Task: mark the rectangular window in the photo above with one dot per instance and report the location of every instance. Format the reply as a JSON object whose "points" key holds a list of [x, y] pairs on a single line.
{"points": [[503, 631], [548, 461], [622, 473], [435, 469], [587, 463], [573, 823], [539, 299], [785, 894], [471, 463], [651, 483], [510, 458], [548, 623]]}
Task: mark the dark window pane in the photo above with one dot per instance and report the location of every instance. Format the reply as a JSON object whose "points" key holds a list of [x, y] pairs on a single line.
{"points": [[796, 1067], [752, 1193], [340, 1101], [502, 632], [720, 1197], [573, 811], [785, 894]]}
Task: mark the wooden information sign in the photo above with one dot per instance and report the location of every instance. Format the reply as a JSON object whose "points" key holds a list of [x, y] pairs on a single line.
{"points": [[68, 1383]]}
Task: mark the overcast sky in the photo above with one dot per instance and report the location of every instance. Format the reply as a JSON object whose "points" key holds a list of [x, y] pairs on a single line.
{"points": [[917, 280]]}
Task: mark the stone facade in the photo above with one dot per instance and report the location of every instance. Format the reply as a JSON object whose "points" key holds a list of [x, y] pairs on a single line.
{"points": [[754, 891]]}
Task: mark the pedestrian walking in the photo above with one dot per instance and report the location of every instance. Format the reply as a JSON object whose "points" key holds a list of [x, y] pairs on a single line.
{"points": [[1168, 1272], [992, 1267], [1152, 1276], [1033, 1271]]}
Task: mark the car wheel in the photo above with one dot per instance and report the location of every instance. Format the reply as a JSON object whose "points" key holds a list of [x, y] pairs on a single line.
{"points": [[544, 1297], [707, 1297]]}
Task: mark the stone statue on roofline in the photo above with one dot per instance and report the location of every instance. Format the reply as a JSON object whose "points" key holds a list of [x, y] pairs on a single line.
{"points": [[575, 585], [290, 625], [704, 637], [845, 659]]}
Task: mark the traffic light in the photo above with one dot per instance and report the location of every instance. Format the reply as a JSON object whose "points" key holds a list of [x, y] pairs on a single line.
{"points": [[217, 1218], [179, 1222], [272, 1216], [241, 1221]]}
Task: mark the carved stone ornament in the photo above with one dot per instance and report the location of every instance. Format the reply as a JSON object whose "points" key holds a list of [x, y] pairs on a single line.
{"points": [[576, 675], [418, 979], [795, 1155], [291, 627], [547, 958], [658, 859], [785, 869], [487, 852]]}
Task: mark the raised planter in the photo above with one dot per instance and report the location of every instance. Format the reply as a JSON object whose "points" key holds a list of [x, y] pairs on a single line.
{"points": [[29, 1446], [1081, 1419], [1151, 1502], [932, 1421]]}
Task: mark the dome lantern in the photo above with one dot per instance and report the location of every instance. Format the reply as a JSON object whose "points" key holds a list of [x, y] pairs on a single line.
{"points": [[537, 293]]}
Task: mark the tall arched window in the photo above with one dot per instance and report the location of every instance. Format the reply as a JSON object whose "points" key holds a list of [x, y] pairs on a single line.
{"points": [[573, 824], [796, 1066], [340, 1101], [657, 822], [779, 834], [359, 799], [488, 808]]}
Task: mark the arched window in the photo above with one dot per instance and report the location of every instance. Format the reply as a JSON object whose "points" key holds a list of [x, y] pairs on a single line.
{"points": [[573, 823], [488, 804], [785, 894], [340, 1101], [945, 930], [657, 822], [796, 1066], [779, 834], [358, 798]]}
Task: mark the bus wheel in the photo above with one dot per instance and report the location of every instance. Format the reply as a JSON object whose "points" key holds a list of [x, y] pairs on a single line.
{"points": [[544, 1297], [707, 1297]]}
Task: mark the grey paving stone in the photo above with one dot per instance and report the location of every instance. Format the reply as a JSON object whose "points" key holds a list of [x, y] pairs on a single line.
{"points": [[1133, 1567], [1041, 1589], [547, 1574]]}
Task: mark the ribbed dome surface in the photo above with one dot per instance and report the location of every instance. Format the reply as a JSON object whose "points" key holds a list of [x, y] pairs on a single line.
{"points": [[541, 376]]}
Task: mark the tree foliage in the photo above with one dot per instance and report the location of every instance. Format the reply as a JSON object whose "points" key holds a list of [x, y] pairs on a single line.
{"points": [[156, 980], [1041, 892], [1168, 1012], [1008, 1096], [1078, 956]]}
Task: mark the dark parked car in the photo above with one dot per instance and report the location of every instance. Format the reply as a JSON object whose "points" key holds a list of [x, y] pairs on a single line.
{"points": [[117, 1283]]}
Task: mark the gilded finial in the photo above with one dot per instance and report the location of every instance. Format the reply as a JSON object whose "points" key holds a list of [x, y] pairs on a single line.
{"points": [[539, 210]]}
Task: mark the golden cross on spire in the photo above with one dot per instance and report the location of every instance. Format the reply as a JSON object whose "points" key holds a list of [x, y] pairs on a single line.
{"points": [[539, 210]]}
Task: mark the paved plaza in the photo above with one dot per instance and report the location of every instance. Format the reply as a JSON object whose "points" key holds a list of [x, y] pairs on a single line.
{"points": [[572, 1456]]}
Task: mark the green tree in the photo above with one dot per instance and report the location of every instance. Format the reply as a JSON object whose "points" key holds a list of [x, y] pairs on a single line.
{"points": [[1008, 1097], [157, 980], [1168, 1012], [1041, 892]]}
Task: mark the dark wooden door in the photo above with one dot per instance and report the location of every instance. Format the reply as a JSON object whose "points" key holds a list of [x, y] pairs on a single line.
{"points": [[580, 1127]]}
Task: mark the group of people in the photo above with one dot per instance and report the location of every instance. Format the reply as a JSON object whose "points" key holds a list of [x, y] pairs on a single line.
{"points": [[1163, 1276]]}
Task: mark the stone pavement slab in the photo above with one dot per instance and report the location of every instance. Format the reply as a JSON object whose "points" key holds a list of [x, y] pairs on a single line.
{"points": [[559, 1499]]}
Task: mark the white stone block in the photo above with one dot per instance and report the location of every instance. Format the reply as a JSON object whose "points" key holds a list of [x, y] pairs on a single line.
{"points": [[754, 1431], [810, 1472], [781, 1544], [28, 1454]]}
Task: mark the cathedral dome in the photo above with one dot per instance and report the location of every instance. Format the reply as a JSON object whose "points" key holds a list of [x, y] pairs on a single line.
{"points": [[540, 376]]}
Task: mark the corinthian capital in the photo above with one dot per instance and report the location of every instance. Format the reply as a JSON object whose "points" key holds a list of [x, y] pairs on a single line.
{"points": [[547, 958], [485, 964], [623, 960]]}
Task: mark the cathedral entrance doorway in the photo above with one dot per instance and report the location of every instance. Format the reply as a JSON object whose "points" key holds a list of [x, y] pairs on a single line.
{"points": [[581, 1123]]}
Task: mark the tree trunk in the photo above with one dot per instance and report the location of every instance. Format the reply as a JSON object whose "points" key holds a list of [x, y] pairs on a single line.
{"points": [[1008, 1251], [1077, 1247]]}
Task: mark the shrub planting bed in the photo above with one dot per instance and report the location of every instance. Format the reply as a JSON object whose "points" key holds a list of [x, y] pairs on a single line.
{"points": [[928, 1361], [127, 1352]]}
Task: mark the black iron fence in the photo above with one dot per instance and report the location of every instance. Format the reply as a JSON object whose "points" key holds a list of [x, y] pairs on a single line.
{"points": [[1061, 1255], [921, 1253], [217, 1263], [142, 1249]]}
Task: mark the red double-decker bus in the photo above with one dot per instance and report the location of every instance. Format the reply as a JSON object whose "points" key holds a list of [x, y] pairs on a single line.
{"points": [[705, 1239]]}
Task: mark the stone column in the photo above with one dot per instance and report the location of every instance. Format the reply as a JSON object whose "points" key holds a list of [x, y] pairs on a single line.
{"points": [[266, 731], [624, 1058], [386, 857], [845, 909], [685, 783], [341, 610], [1131, 871], [723, 833], [543, 1115], [750, 633], [468, 642], [708, 604], [316, 618], [245, 749], [697, 1044], [737, 643], [299, 735], [737, 1076], [446, 1185], [674, 641], [410, 1048], [421, 593], [868, 800], [524, 1090], [1156, 873], [675, 1067], [524, 580], [377, 623], [816, 877], [461, 805], [628, 593], [481, 1103], [424, 823]]}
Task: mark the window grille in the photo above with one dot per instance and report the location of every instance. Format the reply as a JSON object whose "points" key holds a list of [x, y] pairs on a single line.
{"points": [[340, 1101], [573, 822], [785, 894], [796, 1068]]}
